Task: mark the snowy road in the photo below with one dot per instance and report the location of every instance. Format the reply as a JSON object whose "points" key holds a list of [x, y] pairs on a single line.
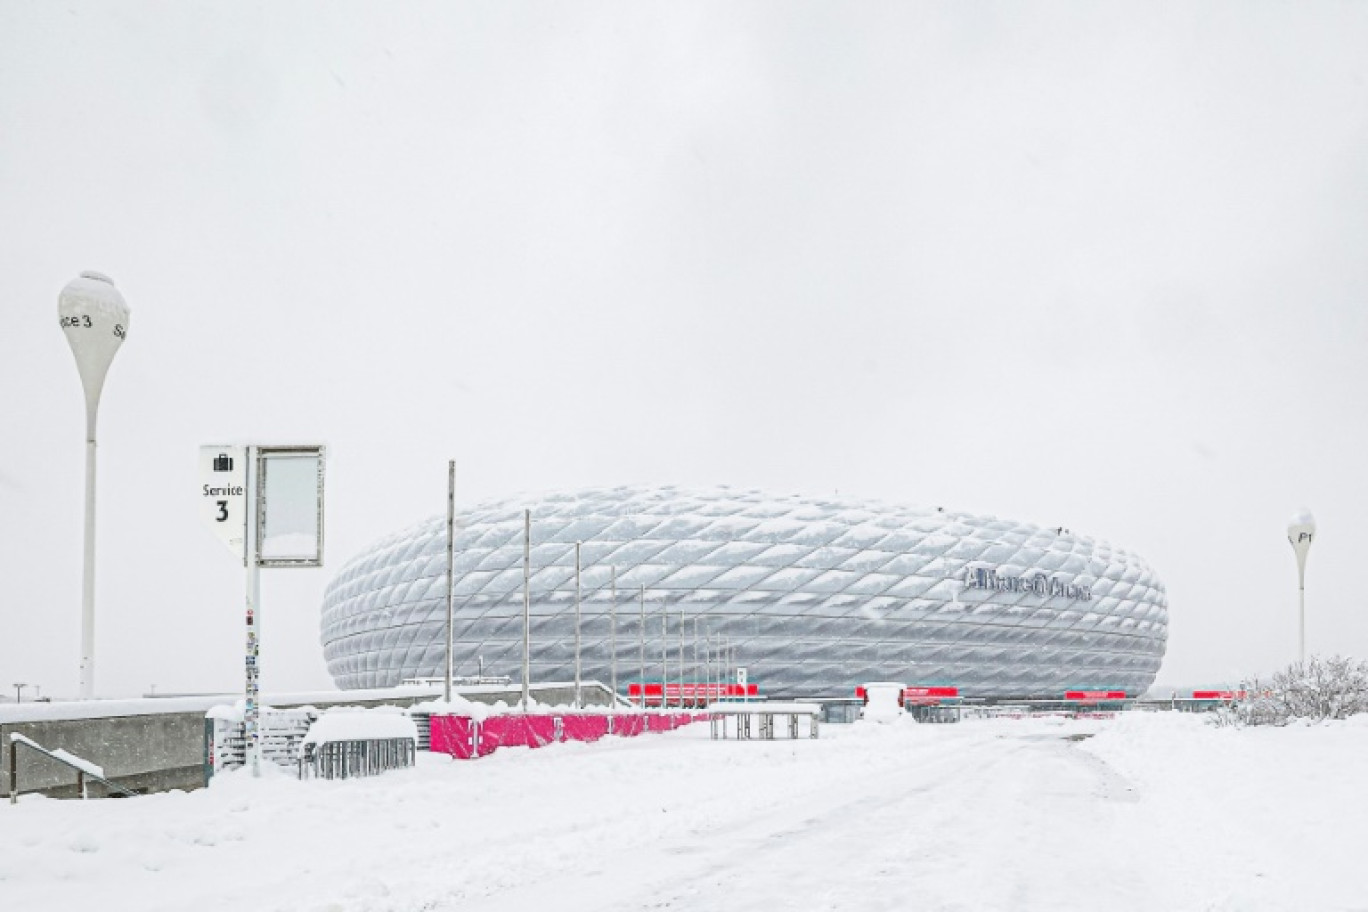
{"points": [[1001, 815]]}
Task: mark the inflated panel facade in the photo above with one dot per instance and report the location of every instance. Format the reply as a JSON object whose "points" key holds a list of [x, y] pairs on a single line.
{"points": [[814, 595]]}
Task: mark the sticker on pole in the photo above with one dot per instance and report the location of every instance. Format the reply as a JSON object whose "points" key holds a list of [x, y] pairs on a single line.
{"points": [[223, 495]]}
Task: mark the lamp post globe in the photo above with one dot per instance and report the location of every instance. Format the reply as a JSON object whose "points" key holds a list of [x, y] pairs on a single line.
{"points": [[94, 317], [1301, 531]]}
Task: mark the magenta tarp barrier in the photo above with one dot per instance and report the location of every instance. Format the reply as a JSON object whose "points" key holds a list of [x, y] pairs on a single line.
{"points": [[454, 735], [658, 722], [628, 726], [516, 731], [585, 728], [464, 738]]}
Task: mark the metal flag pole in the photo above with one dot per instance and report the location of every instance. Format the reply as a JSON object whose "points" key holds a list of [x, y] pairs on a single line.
{"points": [[527, 609], [578, 703], [698, 666], [664, 653], [641, 630], [708, 653], [450, 574], [612, 636]]}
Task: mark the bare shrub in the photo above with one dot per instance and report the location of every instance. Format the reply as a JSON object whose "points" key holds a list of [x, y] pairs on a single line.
{"points": [[1321, 688]]}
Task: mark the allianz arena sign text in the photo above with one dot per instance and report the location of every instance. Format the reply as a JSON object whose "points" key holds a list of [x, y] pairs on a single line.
{"points": [[1040, 584]]}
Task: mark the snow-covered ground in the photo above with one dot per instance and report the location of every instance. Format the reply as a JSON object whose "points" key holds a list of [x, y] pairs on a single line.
{"points": [[1154, 812]]}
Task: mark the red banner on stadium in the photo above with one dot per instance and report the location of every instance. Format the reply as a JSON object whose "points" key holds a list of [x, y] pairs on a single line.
{"points": [[928, 696], [689, 692], [1092, 696]]}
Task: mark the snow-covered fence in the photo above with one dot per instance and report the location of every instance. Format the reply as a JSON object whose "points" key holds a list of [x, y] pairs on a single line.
{"points": [[764, 715], [338, 743], [344, 743], [350, 759], [282, 733]]}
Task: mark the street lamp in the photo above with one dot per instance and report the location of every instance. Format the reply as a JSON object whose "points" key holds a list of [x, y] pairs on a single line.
{"points": [[1301, 530], [95, 320]]}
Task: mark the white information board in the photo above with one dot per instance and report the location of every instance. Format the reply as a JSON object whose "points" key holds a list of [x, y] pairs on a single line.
{"points": [[290, 519], [223, 495]]}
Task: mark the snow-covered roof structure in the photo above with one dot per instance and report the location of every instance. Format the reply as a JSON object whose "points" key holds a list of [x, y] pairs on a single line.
{"points": [[815, 595]]}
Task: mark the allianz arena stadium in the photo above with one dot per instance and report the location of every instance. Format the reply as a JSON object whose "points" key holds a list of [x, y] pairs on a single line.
{"points": [[814, 595]]}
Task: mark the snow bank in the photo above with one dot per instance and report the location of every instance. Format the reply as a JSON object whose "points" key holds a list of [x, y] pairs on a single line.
{"points": [[1141, 813]]}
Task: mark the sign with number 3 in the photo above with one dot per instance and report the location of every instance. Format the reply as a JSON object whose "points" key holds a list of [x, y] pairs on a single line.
{"points": [[223, 495]]}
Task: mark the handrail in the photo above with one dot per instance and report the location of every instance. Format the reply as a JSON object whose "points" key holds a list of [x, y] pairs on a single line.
{"points": [[83, 768]]}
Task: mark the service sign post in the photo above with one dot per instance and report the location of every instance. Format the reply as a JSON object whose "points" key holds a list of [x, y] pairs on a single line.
{"points": [[265, 503]]}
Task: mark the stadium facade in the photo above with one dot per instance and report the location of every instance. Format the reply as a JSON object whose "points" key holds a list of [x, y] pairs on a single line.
{"points": [[814, 594]]}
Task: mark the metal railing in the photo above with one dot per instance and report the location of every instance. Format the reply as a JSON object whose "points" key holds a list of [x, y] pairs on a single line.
{"points": [[718, 716], [349, 759], [85, 770]]}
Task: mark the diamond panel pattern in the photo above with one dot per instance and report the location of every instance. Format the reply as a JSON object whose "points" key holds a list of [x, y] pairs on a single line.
{"points": [[816, 595]]}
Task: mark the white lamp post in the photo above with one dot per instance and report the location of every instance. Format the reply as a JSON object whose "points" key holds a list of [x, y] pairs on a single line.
{"points": [[1301, 530], [95, 320]]}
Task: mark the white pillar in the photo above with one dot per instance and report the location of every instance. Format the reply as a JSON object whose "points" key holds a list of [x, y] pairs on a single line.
{"points": [[95, 319], [1301, 531]]}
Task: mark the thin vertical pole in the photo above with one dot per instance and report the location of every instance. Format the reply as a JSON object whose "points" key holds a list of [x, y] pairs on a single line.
{"points": [[698, 666], [450, 575], [88, 568], [726, 662], [612, 636], [1301, 614], [681, 658], [664, 653], [641, 629], [578, 703], [251, 719], [711, 657], [527, 609]]}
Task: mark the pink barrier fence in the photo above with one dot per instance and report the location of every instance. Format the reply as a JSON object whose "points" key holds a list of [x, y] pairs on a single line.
{"points": [[464, 738], [628, 726]]}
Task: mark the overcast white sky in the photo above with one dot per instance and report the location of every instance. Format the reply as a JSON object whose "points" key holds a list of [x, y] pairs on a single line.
{"points": [[1098, 265]]}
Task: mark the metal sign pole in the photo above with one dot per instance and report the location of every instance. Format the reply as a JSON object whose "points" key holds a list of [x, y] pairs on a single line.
{"points": [[697, 665], [612, 636], [578, 702], [450, 574], [641, 631], [251, 714], [262, 516], [527, 608], [708, 659]]}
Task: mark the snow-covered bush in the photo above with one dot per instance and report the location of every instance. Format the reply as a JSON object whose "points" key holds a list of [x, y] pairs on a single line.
{"points": [[1333, 688]]}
